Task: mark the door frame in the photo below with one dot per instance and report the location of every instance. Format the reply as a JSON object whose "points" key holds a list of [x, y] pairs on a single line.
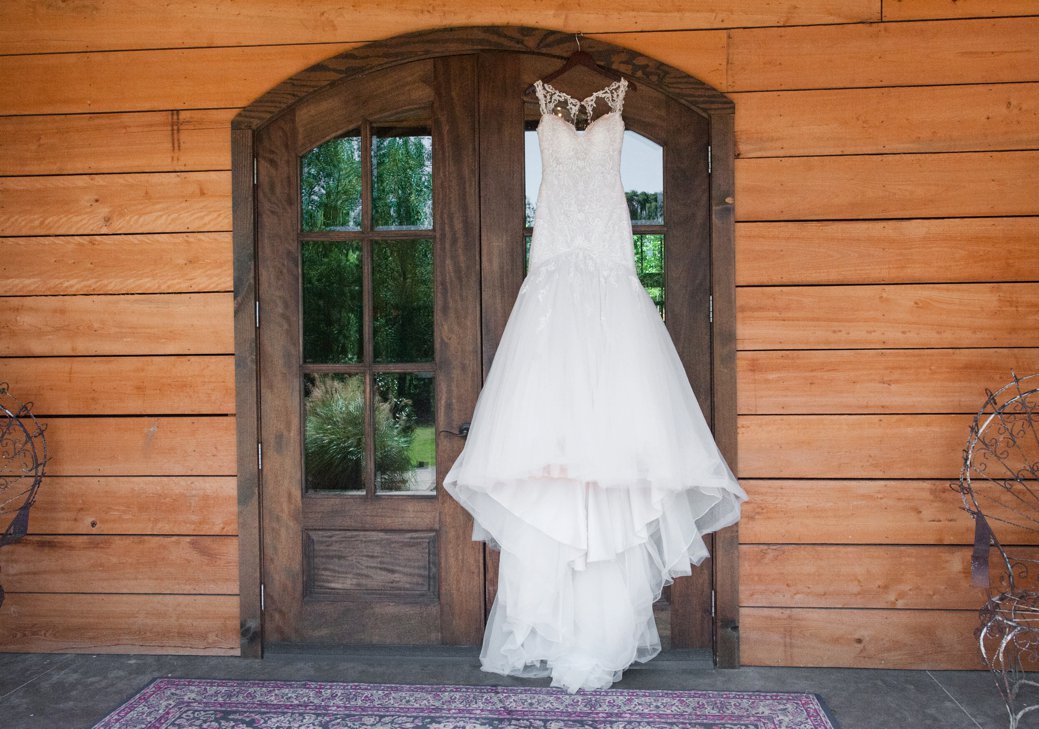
{"points": [[684, 89]]}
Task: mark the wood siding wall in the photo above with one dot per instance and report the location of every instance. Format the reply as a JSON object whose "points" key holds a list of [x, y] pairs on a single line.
{"points": [[887, 250]]}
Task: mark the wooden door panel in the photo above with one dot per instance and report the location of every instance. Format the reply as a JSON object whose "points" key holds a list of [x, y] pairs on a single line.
{"points": [[367, 566]]}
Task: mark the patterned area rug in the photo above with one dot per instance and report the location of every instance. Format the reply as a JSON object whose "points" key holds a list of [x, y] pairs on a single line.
{"points": [[179, 703]]}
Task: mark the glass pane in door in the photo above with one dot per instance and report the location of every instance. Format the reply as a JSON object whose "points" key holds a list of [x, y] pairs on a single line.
{"points": [[330, 185], [649, 265], [405, 433], [402, 177], [333, 322], [402, 289], [334, 432]]}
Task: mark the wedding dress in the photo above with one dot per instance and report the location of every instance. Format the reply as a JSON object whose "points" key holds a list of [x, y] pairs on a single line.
{"points": [[588, 462]]}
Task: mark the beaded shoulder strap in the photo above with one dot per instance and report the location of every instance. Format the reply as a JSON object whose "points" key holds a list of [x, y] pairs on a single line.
{"points": [[550, 97]]}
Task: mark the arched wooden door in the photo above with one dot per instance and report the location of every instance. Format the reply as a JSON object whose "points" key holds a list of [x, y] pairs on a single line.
{"points": [[378, 312]]}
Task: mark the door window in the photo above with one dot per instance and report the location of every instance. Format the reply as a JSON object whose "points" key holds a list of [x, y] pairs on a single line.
{"points": [[366, 262]]}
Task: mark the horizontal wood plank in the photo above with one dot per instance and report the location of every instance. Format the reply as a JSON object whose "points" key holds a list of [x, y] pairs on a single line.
{"points": [[205, 505], [170, 202], [924, 9], [876, 121], [913, 577], [854, 512], [917, 639], [122, 264], [876, 381], [123, 385], [103, 325], [888, 251], [160, 80], [122, 446], [703, 54], [122, 564], [971, 184], [225, 22], [884, 54], [157, 141], [888, 317], [851, 446], [58, 623]]}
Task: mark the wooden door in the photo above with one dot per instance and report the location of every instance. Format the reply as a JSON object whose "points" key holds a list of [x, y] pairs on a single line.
{"points": [[369, 359], [356, 556], [678, 232]]}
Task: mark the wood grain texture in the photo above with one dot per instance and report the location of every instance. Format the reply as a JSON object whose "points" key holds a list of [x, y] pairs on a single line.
{"points": [[277, 394], [246, 395], [903, 577], [919, 639], [103, 325], [113, 564], [457, 337], [703, 54], [884, 54], [382, 566], [854, 512], [381, 55], [723, 336], [852, 446], [882, 317], [193, 139], [59, 623], [924, 9], [133, 203], [123, 385], [888, 251], [225, 22], [158, 80], [128, 446], [202, 505], [876, 381], [969, 184], [124, 264], [887, 120], [688, 283]]}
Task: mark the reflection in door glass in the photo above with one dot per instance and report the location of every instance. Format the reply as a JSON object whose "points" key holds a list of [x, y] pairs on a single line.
{"points": [[402, 178], [402, 288], [333, 458], [642, 175], [332, 302], [405, 435], [330, 185]]}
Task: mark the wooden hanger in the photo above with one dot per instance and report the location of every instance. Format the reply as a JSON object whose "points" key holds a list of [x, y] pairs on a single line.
{"points": [[584, 59]]}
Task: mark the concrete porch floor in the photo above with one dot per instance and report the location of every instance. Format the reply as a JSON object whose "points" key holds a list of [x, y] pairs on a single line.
{"points": [[67, 691]]}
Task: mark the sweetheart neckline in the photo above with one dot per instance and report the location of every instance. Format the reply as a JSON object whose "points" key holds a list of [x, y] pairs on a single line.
{"points": [[573, 126], [587, 98]]}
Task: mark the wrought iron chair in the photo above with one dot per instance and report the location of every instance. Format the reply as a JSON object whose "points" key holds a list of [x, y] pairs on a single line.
{"points": [[999, 484], [23, 458]]}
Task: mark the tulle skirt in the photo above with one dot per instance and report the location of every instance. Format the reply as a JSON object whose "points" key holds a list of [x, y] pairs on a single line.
{"points": [[590, 466]]}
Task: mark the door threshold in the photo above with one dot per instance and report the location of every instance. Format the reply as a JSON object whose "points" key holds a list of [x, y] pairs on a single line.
{"points": [[685, 659]]}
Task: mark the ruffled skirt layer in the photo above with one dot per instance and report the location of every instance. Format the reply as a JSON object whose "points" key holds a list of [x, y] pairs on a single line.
{"points": [[590, 466]]}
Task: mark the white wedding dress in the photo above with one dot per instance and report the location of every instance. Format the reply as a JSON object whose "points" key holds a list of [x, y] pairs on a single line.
{"points": [[588, 462]]}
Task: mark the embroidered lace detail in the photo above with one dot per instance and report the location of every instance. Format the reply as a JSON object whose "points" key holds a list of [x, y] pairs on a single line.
{"points": [[552, 98], [581, 203]]}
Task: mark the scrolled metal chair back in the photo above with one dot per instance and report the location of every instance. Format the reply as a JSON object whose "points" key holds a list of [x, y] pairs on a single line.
{"points": [[999, 484], [23, 461]]}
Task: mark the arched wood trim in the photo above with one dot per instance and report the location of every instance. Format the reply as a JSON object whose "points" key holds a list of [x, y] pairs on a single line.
{"points": [[676, 84], [458, 41]]}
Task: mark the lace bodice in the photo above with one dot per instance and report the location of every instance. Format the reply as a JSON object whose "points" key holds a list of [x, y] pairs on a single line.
{"points": [[581, 204]]}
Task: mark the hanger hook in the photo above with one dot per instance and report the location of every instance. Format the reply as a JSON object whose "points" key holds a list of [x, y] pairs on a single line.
{"points": [[577, 37]]}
